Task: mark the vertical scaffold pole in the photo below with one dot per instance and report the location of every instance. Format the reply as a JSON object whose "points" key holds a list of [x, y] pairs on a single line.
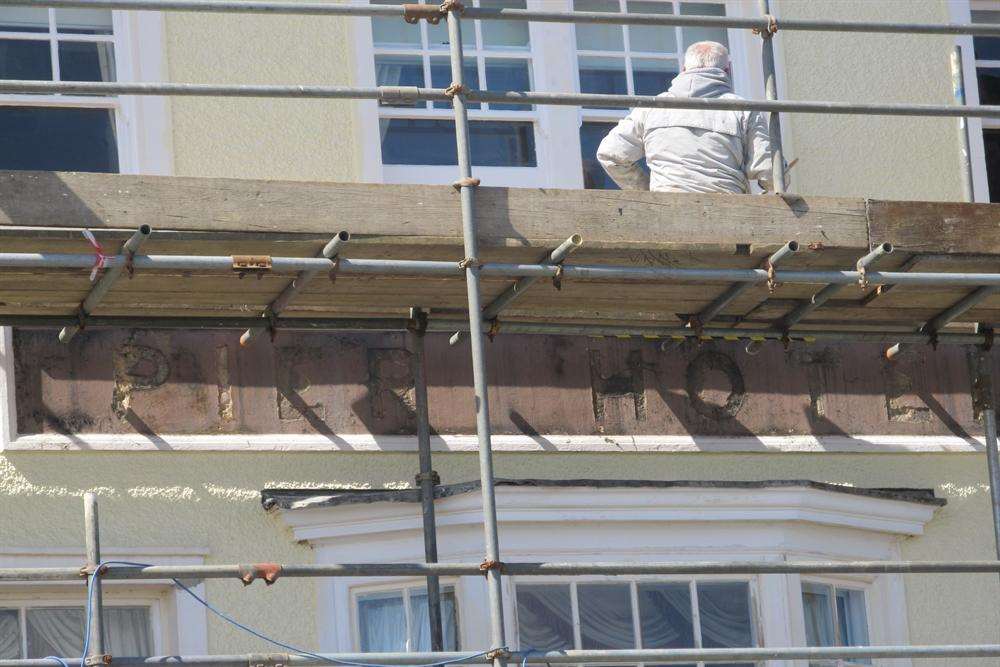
{"points": [[427, 478], [958, 90], [95, 642], [466, 185], [771, 93], [984, 378]]}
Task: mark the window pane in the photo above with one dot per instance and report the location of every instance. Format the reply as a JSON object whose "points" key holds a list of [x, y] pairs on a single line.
{"points": [[52, 139], [702, 34], [986, 48], [25, 59], [84, 21], [602, 75], [991, 141], [420, 630], [432, 142], [10, 635], [86, 61], [852, 617], [24, 19], [128, 630], [989, 85], [816, 608], [597, 37], [724, 609], [652, 77], [400, 71], [657, 39], [441, 78], [605, 616], [504, 34], [503, 74], [55, 631], [544, 618], [594, 176], [665, 615], [382, 622], [394, 31]]}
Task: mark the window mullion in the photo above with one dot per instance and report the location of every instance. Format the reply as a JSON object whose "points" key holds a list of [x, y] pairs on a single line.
{"points": [[575, 606], [23, 623], [679, 37], [54, 45]]}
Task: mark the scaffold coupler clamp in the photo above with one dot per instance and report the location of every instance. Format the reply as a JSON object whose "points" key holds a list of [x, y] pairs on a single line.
{"points": [[468, 262], [257, 265], [488, 565], [334, 270], [786, 340], [95, 660], [694, 322], [130, 264], [466, 182], [771, 29], [772, 284], [454, 89], [272, 324], [412, 13], [433, 476], [557, 277], [267, 660], [987, 338], [502, 652], [269, 572], [418, 321], [494, 328]]}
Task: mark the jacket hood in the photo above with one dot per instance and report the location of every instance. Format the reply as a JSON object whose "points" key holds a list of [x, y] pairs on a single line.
{"points": [[701, 82]]}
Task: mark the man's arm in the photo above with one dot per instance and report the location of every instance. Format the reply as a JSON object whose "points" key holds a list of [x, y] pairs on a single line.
{"points": [[622, 149], [757, 158]]}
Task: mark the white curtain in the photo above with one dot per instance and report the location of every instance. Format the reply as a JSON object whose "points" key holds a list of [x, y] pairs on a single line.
{"points": [[816, 609], [724, 609], [420, 627], [382, 622], [59, 631], [10, 635], [544, 618], [666, 616], [605, 616]]}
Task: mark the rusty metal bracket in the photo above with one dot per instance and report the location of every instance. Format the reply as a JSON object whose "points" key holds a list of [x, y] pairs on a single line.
{"points": [[772, 284], [488, 565], [467, 182], [94, 660], [269, 572], [494, 328], [447, 6], [468, 262], [267, 660], [557, 277], [432, 476], [251, 264], [334, 270], [454, 89], [130, 264], [412, 13], [502, 652], [771, 29]]}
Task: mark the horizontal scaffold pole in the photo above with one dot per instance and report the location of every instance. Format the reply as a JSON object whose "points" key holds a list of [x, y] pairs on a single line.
{"points": [[445, 268], [406, 94], [160, 572], [513, 14], [659, 656]]}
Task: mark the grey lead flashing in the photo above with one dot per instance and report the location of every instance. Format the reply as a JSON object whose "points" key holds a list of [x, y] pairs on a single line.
{"points": [[291, 499]]}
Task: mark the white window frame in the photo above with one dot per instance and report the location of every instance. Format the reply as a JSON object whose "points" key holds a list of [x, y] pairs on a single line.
{"points": [[642, 524], [405, 587], [633, 583], [862, 584], [141, 123], [180, 623], [961, 12], [40, 598], [554, 67]]}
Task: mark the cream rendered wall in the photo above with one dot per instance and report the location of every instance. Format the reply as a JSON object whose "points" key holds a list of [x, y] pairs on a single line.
{"points": [[211, 500], [872, 156], [262, 138]]}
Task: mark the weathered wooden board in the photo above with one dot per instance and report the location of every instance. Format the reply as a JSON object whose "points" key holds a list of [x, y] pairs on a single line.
{"points": [[45, 212]]}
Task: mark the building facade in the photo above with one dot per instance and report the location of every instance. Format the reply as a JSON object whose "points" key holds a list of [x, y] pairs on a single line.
{"points": [[680, 453]]}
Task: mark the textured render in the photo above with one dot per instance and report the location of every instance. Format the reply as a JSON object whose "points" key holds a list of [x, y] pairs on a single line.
{"points": [[262, 138], [870, 156], [211, 500]]}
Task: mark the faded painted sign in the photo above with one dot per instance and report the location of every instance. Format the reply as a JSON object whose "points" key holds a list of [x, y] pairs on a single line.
{"points": [[157, 382]]}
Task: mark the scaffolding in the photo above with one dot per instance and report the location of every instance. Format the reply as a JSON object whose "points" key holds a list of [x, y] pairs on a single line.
{"points": [[482, 320]]}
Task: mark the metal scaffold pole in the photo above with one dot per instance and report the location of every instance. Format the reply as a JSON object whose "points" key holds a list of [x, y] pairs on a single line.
{"points": [[466, 185], [771, 93], [984, 379], [427, 479], [95, 653]]}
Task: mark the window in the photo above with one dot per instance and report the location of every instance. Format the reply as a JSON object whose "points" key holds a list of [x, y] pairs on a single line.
{"points": [[987, 52], [396, 620], [497, 53], [638, 614], [36, 631], [62, 132], [633, 60], [834, 616]]}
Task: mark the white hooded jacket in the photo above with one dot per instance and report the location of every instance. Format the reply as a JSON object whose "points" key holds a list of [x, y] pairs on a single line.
{"points": [[690, 150]]}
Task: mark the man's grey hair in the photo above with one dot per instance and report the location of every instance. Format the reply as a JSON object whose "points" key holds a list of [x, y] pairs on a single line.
{"points": [[706, 54]]}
